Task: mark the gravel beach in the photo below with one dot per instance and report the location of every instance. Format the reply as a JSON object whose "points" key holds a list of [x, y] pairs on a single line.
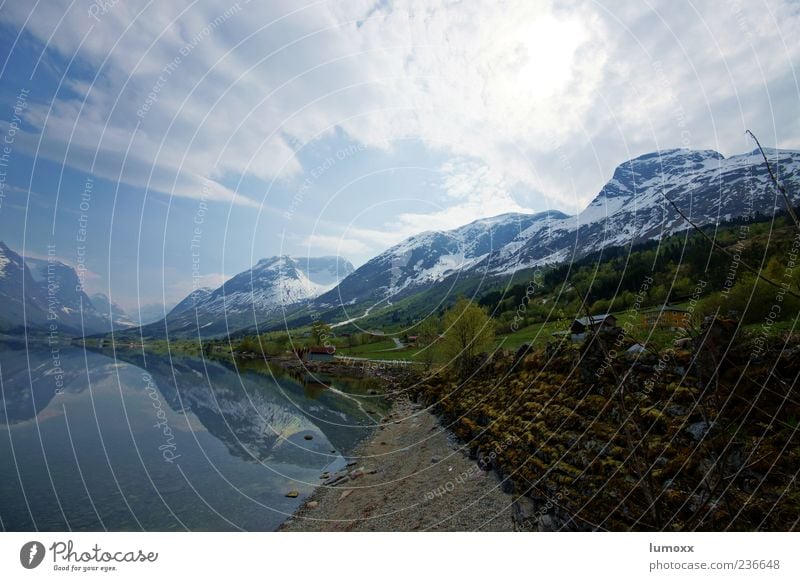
{"points": [[411, 475]]}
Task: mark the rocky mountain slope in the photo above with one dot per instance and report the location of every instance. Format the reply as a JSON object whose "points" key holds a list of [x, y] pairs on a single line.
{"points": [[632, 207]]}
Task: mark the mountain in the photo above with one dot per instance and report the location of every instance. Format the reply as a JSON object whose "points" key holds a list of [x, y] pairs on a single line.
{"points": [[21, 299], [111, 311], [428, 258], [194, 298], [707, 187], [37, 293], [261, 293], [150, 313]]}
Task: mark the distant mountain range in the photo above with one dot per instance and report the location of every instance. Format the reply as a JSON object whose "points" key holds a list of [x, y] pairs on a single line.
{"points": [[44, 295], [632, 207], [261, 294]]}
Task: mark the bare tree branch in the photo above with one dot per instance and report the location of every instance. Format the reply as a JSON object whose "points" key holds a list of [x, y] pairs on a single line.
{"points": [[774, 179]]}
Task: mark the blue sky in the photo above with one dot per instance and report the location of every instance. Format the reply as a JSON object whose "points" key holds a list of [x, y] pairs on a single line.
{"points": [[253, 129]]}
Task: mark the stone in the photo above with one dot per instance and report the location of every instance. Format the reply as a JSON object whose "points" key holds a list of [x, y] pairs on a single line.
{"points": [[308, 437], [345, 494], [698, 429], [435, 460], [312, 504], [523, 512], [674, 410], [292, 494]]}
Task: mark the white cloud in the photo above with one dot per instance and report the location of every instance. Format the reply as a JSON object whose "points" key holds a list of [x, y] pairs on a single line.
{"points": [[343, 245], [501, 87]]}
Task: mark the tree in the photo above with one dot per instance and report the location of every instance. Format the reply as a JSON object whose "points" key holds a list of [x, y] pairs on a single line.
{"points": [[468, 331], [321, 331], [428, 333]]}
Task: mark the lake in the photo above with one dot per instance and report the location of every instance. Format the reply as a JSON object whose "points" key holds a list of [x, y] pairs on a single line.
{"points": [[93, 442]]}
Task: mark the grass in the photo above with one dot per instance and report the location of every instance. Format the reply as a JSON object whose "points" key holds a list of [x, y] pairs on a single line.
{"points": [[537, 335]]}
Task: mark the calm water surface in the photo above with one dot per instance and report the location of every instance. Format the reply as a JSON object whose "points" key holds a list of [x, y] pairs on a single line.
{"points": [[88, 442]]}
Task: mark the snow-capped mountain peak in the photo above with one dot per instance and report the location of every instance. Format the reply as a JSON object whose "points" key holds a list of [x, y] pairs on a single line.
{"points": [[263, 291]]}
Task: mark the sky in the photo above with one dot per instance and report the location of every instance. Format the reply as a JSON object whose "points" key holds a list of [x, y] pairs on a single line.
{"points": [[165, 146]]}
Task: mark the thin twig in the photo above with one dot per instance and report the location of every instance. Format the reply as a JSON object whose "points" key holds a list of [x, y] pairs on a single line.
{"points": [[716, 245], [774, 179]]}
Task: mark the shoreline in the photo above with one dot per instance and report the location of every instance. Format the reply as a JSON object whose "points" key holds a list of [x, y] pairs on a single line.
{"points": [[411, 474]]}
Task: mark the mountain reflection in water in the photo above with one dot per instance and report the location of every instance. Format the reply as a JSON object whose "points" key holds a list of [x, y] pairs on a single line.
{"points": [[94, 443]]}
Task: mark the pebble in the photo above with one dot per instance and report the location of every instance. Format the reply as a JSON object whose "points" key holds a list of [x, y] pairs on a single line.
{"points": [[435, 460], [345, 494], [308, 437], [292, 494], [312, 504]]}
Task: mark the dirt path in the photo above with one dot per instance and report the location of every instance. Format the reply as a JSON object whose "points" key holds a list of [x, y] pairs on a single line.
{"points": [[411, 476]]}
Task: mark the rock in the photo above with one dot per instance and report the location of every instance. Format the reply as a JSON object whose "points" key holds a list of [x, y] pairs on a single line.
{"points": [[698, 429], [435, 459], [351, 463], [292, 494], [523, 512], [345, 494], [312, 504], [308, 437], [336, 479], [674, 410]]}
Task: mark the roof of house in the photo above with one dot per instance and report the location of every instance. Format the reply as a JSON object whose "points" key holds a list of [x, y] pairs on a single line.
{"points": [[320, 350], [595, 319]]}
